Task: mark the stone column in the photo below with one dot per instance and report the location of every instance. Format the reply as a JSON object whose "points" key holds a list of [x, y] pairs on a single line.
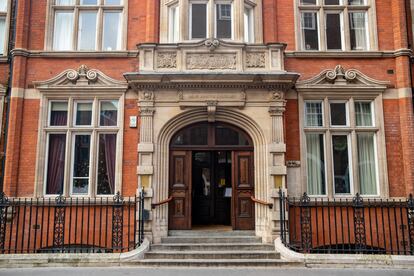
{"points": [[145, 167], [277, 150]]}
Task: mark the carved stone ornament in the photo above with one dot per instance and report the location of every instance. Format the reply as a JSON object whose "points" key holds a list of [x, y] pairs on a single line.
{"points": [[341, 77], [147, 111], [83, 74], [212, 44], [82, 78], [211, 111], [211, 61], [276, 95], [147, 95], [293, 164], [167, 60], [276, 110], [255, 60]]}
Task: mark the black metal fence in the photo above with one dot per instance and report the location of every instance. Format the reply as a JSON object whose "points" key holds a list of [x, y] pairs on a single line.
{"points": [[71, 225], [347, 226]]}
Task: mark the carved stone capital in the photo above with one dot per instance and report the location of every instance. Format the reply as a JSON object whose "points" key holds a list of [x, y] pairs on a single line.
{"points": [[147, 111], [146, 95], [276, 95], [277, 110]]}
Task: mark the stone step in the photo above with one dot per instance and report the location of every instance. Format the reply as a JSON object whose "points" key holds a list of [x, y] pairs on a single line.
{"points": [[209, 239], [220, 263], [213, 246], [211, 255], [211, 233]]}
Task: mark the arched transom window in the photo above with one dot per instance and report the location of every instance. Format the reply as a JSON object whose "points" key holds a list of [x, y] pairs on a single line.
{"points": [[238, 20]]}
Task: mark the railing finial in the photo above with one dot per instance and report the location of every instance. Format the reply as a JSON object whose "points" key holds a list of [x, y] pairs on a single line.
{"points": [[3, 198], [305, 199], [118, 198], [358, 200], [411, 201], [60, 199]]}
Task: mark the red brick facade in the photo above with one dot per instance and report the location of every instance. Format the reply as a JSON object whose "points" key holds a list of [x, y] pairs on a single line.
{"points": [[31, 63]]}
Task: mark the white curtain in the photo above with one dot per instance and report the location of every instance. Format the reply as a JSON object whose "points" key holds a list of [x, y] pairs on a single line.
{"points": [[63, 33], [363, 114], [366, 164], [2, 34], [112, 31], [3, 5], [315, 164], [87, 30], [358, 26]]}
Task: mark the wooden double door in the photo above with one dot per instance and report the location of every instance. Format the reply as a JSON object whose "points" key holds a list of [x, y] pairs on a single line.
{"points": [[211, 187]]}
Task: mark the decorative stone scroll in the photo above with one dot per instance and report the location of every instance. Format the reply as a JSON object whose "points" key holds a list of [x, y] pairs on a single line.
{"points": [[211, 61], [255, 60]]}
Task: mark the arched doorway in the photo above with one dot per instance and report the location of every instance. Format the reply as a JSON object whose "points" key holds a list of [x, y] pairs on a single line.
{"points": [[211, 177]]}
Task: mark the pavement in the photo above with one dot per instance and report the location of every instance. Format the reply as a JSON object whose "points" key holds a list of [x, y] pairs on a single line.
{"points": [[114, 271]]}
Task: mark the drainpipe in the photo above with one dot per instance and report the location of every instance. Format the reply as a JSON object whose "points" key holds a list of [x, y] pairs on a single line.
{"points": [[12, 38]]}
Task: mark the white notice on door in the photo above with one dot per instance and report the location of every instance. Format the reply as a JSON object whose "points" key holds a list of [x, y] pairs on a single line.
{"points": [[227, 192]]}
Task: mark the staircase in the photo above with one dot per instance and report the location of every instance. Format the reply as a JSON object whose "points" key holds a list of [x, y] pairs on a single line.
{"points": [[213, 248]]}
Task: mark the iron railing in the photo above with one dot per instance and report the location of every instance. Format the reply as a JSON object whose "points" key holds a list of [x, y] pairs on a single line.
{"points": [[71, 225], [347, 226]]}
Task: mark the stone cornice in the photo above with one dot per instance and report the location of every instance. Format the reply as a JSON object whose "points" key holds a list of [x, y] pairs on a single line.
{"points": [[73, 54], [349, 54]]}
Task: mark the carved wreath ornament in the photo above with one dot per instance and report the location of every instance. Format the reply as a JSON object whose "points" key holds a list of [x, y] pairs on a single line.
{"points": [[84, 73]]}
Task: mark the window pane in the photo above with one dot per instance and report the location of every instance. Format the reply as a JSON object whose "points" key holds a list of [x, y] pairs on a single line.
{"points": [[87, 31], [356, 2], [223, 20], [308, 2], [89, 2], [59, 114], [173, 27], [198, 21], [113, 2], [313, 114], [310, 34], [228, 136], [3, 5], [315, 164], [55, 164], [338, 114], [195, 135], [363, 114], [81, 164], [109, 113], [248, 25], [333, 2], [83, 114], [65, 2], [2, 34], [333, 31], [63, 32], [106, 164], [358, 31], [366, 164], [341, 164], [112, 33]]}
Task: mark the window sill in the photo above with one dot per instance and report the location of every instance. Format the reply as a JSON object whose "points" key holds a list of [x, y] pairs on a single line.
{"points": [[3, 59], [62, 54], [349, 54]]}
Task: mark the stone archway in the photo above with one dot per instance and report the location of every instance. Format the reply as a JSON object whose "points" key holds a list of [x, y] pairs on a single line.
{"points": [[161, 165]]}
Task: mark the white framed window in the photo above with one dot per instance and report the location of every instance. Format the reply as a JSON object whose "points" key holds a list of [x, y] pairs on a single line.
{"points": [[4, 26], [223, 23], [81, 153], [87, 25], [249, 24], [173, 24], [341, 147], [345, 25], [198, 23]]}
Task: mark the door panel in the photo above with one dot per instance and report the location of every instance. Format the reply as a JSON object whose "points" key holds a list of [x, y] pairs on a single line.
{"points": [[180, 187], [243, 189]]}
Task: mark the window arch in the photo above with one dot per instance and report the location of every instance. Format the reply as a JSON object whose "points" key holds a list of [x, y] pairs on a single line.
{"points": [[237, 20], [217, 135]]}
